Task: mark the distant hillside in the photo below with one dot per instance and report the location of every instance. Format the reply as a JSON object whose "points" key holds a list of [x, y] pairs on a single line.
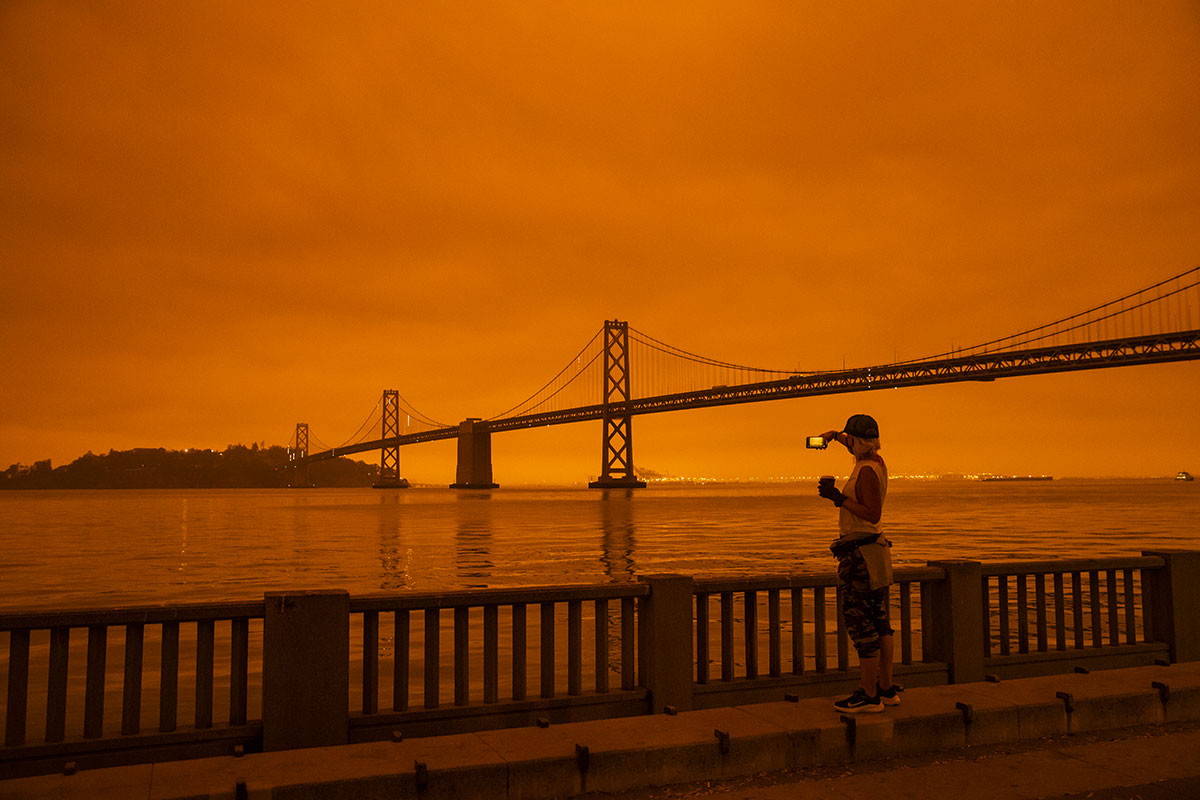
{"points": [[157, 468]]}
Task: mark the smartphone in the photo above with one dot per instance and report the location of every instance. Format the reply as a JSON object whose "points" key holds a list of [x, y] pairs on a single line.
{"points": [[816, 443]]}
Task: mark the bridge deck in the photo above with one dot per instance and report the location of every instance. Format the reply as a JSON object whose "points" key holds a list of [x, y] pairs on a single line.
{"points": [[1152, 349]]}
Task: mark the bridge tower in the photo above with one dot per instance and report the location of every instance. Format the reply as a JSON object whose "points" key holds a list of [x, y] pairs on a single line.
{"points": [[389, 454], [298, 456], [616, 461]]}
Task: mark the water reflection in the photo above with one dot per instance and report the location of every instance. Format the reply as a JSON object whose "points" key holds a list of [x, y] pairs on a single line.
{"points": [[183, 534], [617, 524], [473, 538], [75, 548], [304, 553], [617, 534], [394, 556]]}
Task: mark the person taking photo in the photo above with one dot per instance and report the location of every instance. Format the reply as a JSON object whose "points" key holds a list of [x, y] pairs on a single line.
{"points": [[864, 564]]}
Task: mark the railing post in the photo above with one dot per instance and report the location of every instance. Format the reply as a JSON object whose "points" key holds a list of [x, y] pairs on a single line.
{"points": [[1171, 597], [665, 641], [956, 620], [306, 669]]}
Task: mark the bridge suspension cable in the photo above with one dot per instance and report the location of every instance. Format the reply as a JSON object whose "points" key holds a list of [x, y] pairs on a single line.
{"points": [[1142, 312], [414, 414], [581, 375], [662, 369], [316, 445], [372, 422], [661, 346]]}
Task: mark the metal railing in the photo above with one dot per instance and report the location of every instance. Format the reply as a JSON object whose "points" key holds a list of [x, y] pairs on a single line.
{"points": [[300, 668], [77, 714], [801, 613], [1039, 611], [488, 624]]}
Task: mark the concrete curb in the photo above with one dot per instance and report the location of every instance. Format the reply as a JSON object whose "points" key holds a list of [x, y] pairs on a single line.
{"points": [[631, 752]]}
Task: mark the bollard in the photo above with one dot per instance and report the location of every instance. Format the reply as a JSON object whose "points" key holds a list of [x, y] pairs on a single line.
{"points": [[1068, 701], [722, 740], [582, 757], [968, 712], [421, 774], [1164, 690], [851, 729]]}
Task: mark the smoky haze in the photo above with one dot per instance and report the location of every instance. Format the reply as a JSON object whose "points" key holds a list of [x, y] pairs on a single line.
{"points": [[219, 219]]}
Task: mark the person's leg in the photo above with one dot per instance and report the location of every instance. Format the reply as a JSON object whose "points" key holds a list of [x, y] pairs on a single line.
{"points": [[869, 667], [859, 621], [885, 663], [858, 614], [866, 698]]}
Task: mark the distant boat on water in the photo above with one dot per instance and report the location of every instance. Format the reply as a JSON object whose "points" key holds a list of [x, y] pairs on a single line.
{"points": [[1016, 477], [1183, 476]]}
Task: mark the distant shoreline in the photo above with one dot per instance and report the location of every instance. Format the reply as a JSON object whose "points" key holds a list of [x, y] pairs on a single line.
{"points": [[235, 467], [581, 485]]}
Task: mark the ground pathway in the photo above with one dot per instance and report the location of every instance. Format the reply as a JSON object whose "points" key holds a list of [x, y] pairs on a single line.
{"points": [[1151, 762], [1100, 735]]}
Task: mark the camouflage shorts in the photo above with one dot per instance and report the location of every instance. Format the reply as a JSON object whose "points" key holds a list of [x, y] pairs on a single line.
{"points": [[866, 612]]}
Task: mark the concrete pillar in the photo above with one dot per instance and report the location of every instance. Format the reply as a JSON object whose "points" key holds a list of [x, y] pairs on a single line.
{"points": [[474, 456], [665, 641], [956, 620], [306, 669], [1171, 599]]}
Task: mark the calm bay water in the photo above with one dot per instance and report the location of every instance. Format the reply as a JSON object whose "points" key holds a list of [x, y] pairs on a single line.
{"points": [[70, 549]]}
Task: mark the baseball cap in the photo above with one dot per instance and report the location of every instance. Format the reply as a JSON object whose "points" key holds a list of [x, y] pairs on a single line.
{"points": [[862, 426]]}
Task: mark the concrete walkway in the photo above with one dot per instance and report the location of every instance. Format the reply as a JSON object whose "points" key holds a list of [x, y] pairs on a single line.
{"points": [[1148, 762], [1024, 738]]}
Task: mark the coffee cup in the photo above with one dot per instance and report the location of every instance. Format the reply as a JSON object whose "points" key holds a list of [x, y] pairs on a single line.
{"points": [[826, 481]]}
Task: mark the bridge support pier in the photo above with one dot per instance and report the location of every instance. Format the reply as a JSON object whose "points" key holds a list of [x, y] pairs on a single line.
{"points": [[474, 456], [389, 454], [616, 463]]}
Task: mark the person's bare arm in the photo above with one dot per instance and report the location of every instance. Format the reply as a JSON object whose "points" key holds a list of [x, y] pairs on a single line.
{"points": [[867, 503], [832, 436]]}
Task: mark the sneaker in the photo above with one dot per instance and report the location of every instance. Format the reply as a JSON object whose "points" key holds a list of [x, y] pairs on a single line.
{"points": [[891, 695], [859, 703]]}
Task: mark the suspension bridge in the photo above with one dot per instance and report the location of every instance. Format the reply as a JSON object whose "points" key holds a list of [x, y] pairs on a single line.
{"points": [[622, 373]]}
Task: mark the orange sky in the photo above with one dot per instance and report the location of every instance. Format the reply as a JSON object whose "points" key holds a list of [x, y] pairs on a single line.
{"points": [[222, 218]]}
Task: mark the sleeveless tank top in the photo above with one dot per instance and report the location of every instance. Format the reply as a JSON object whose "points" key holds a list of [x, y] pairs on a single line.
{"points": [[849, 524]]}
